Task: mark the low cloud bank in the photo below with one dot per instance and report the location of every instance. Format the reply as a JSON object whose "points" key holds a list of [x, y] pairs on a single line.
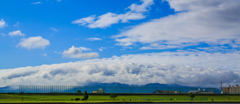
{"points": [[133, 69]]}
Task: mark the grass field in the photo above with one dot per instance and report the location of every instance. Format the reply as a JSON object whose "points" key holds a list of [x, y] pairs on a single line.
{"points": [[25, 98]]}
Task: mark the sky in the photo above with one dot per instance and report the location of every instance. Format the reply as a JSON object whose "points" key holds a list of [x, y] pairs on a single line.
{"points": [[62, 42]]}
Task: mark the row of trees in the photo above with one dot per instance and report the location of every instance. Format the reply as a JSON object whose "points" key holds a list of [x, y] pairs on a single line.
{"points": [[85, 95], [114, 95]]}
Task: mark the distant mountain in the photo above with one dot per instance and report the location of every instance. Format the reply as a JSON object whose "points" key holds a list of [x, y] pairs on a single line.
{"points": [[126, 85], [114, 84], [110, 88], [5, 88], [162, 85], [109, 84], [9, 88]]}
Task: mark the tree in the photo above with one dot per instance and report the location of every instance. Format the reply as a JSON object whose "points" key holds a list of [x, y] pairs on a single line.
{"points": [[85, 95], [113, 95], [78, 91], [77, 99], [191, 95]]}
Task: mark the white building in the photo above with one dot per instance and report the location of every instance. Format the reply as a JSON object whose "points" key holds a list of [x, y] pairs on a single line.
{"points": [[99, 91]]}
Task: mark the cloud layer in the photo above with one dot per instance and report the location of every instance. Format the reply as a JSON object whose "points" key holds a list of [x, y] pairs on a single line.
{"points": [[34, 42], [76, 52], [136, 12], [134, 69], [213, 22]]}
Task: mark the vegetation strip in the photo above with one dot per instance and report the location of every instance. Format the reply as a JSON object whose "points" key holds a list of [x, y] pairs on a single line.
{"points": [[113, 98]]}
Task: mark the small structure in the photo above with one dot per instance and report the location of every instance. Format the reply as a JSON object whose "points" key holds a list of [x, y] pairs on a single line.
{"points": [[99, 91], [201, 92], [223, 92], [231, 90]]}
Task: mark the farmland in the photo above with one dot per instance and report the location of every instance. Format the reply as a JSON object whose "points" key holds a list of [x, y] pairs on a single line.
{"points": [[39, 98]]}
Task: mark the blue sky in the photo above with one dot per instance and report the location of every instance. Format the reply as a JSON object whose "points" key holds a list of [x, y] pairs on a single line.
{"points": [[99, 37], [39, 19]]}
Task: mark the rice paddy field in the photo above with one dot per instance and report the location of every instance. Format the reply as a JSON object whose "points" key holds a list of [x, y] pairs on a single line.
{"points": [[34, 98]]}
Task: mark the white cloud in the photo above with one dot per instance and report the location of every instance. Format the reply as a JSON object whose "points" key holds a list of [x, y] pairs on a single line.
{"points": [[58, 0], [75, 52], [213, 22], [157, 46], [45, 55], [17, 24], [37, 2], [168, 67], [136, 12], [34, 42], [84, 21], [54, 29], [141, 8], [102, 48], [16, 33], [2, 23], [94, 39], [85, 49]]}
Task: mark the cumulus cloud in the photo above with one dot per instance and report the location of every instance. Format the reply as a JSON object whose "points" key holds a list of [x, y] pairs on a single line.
{"points": [[136, 12], [2, 23], [34, 42], [184, 68], [16, 33], [76, 52], [215, 22], [37, 2], [94, 39]]}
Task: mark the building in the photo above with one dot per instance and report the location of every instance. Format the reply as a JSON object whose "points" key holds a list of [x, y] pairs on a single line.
{"points": [[99, 91], [232, 89], [201, 92]]}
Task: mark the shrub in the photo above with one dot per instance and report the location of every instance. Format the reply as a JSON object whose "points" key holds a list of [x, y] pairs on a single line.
{"points": [[77, 99], [191, 95], [79, 92], [21, 92], [113, 95]]}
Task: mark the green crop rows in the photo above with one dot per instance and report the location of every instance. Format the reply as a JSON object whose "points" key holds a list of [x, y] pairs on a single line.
{"points": [[25, 98]]}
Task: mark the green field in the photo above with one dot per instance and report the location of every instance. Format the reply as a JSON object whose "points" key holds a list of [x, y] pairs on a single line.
{"points": [[25, 98]]}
